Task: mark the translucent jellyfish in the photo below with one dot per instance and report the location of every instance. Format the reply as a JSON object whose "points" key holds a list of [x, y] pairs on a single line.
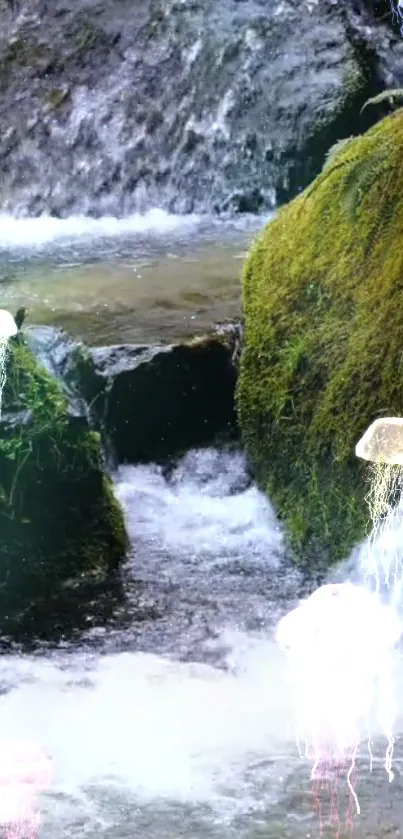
{"points": [[340, 643], [382, 442], [8, 326]]}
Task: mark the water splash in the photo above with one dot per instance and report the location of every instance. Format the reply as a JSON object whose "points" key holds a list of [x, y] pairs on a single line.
{"points": [[42, 230]]}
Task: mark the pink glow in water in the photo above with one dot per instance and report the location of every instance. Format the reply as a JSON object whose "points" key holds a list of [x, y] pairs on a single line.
{"points": [[24, 772]]}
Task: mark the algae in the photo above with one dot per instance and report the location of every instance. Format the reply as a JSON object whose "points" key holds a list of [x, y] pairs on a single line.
{"points": [[322, 356], [59, 517]]}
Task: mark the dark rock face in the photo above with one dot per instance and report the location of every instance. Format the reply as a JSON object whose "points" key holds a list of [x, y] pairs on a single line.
{"points": [[191, 106], [164, 400], [150, 403]]}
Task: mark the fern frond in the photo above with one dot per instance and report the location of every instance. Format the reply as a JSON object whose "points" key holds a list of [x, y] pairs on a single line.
{"points": [[334, 150], [383, 217], [361, 178], [390, 96]]}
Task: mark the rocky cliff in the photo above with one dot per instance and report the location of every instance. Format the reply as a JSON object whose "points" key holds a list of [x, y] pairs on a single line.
{"points": [[191, 105]]}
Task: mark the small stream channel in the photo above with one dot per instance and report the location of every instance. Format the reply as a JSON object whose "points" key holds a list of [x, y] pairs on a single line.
{"points": [[169, 718]]}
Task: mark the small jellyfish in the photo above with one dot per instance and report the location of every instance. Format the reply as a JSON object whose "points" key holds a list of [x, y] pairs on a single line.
{"points": [[8, 326]]}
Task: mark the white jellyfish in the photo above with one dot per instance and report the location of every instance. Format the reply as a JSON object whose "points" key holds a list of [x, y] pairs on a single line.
{"points": [[8, 326]]}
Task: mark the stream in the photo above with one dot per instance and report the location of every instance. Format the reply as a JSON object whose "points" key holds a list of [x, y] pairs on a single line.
{"points": [[172, 719], [153, 278]]}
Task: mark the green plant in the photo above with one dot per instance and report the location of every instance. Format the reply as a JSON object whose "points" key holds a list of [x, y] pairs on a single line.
{"points": [[28, 389], [334, 150], [391, 96]]}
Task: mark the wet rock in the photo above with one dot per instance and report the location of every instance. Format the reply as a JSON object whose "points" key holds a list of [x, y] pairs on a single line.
{"points": [[59, 518], [150, 402], [227, 106], [60, 356], [163, 400]]}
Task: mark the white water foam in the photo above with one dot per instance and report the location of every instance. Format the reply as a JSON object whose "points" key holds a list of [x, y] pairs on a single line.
{"points": [[162, 728], [199, 510], [153, 731], [43, 230], [140, 742], [149, 745]]}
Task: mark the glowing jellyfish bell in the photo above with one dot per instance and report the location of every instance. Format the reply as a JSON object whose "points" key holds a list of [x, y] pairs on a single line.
{"points": [[382, 442], [8, 326]]}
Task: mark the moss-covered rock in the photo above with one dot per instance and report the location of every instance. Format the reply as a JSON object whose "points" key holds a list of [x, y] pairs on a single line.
{"points": [[59, 519], [323, 308]]}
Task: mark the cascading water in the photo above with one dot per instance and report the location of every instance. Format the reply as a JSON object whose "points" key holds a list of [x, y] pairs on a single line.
{"points": [[175, 726]]}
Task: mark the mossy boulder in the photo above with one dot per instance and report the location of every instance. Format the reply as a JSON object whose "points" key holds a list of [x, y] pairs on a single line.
{"points": [[322, 358], [59, 519]]}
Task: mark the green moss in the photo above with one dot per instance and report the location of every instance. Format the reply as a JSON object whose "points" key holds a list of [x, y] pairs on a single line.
{"points": [[59, 518], [113, 513], [322, 300]]}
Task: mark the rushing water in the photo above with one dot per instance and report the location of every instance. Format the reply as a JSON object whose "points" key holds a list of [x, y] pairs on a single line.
{"points": [[170, 718], [178, 726]]}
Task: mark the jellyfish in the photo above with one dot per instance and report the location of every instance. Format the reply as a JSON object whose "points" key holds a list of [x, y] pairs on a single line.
{"points": [[339, 642]]}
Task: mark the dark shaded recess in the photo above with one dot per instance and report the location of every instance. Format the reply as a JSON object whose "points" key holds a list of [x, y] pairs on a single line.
{"points": [[179, 398]]}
